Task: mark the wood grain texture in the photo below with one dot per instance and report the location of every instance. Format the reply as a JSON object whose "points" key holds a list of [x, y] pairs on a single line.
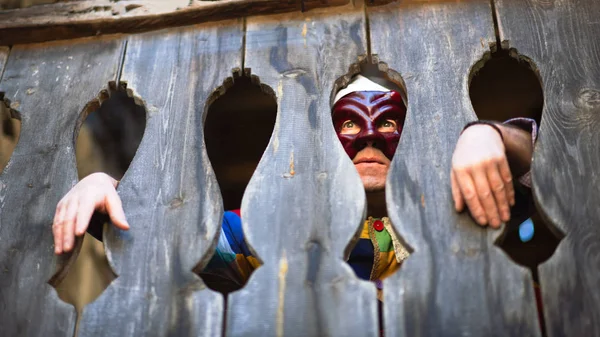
{"points": [[48, 85], [561, 38], [456, 282], [170, 194], [305, 202], [65, 20]]}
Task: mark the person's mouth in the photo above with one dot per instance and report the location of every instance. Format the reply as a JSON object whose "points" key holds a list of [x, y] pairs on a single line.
{"points": [[368, 160]]}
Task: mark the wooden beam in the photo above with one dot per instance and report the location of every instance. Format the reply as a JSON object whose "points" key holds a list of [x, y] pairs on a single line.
{"points": [[67, 20]]}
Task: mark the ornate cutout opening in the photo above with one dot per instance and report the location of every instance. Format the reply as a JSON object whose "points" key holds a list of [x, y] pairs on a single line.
{"points": [[10, 129], [505, 85], [377, 237], [239, 120], [110, 130]]}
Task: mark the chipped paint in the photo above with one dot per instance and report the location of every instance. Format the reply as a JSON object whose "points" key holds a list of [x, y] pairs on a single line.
{"points": [[304, 31], [292, 171], [283, 269], [293, 73], [276, 128]]}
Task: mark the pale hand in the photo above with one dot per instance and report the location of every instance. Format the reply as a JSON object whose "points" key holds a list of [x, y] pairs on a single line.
{"points": [[95, 192], [481, 176]]}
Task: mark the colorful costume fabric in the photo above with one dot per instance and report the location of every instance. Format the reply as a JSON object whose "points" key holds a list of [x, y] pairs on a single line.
{"points": [[376, 255]]}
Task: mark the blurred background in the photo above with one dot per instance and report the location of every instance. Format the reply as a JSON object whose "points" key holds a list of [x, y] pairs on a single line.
{"points": [[11, 4]]}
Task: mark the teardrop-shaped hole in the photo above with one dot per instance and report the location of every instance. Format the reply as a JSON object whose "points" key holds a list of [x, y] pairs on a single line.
{"points": [[506, 85], [107, 141], [239, 122], [10, 129]]}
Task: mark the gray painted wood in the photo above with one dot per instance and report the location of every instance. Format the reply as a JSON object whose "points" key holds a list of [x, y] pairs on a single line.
{"points": [[48, 85], [456, 282], [561, 38], [305, 202], [170, 194]]}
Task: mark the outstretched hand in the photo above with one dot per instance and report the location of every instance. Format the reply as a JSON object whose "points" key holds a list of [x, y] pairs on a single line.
{"points": [[481, 177], [96, 192]]}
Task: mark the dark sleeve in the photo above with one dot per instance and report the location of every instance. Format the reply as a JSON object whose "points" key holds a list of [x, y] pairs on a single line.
{"points": [[528, 125], [97, 224], [524, 206]]}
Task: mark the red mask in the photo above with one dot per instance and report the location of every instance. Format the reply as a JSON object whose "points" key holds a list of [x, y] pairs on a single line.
{"points": [[368, 109]]}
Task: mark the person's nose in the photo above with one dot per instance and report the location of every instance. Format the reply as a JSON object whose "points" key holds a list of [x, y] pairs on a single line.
{"points": [[369, 136]]}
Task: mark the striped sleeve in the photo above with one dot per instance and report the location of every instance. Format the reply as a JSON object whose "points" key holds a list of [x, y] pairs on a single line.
{"points": [[231, 265]]}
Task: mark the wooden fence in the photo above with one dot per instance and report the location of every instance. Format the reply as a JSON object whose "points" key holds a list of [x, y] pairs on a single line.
{"points": [[305, 202]]}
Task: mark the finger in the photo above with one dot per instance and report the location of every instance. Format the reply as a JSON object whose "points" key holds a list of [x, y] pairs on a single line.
{"points": [[486, 198], [57, 228], [507, 178], [459, 203], [114, 208], [499, 192], [469, 194], [84, 214], [68, 225]]}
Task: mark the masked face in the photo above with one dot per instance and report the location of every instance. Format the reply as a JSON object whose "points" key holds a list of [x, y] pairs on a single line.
{"points": [[369, 118]]}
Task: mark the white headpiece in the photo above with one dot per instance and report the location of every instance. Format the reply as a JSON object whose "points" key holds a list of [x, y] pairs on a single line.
{"points": [[359, 83]]}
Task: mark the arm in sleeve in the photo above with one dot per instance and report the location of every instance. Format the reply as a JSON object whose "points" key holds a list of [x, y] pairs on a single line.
{"points": [[524, 205], [529, 125], [231, 265]]}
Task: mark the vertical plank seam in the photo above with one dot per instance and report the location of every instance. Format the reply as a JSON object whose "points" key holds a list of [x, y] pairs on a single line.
{"points": [[367, 30], [244, 32], [538, 306], [496, 25], [542, 325], [122, 61]]}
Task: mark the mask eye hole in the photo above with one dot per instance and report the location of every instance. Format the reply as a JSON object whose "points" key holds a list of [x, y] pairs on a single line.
{"points": [[349, 127], [387, 125]]}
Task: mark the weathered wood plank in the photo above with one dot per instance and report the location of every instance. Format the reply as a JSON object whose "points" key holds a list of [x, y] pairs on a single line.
{"points": [[65, 20], [305, 201], [3, 57], [49, 85], [456, 282], [170, 194], [561, 38]]}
